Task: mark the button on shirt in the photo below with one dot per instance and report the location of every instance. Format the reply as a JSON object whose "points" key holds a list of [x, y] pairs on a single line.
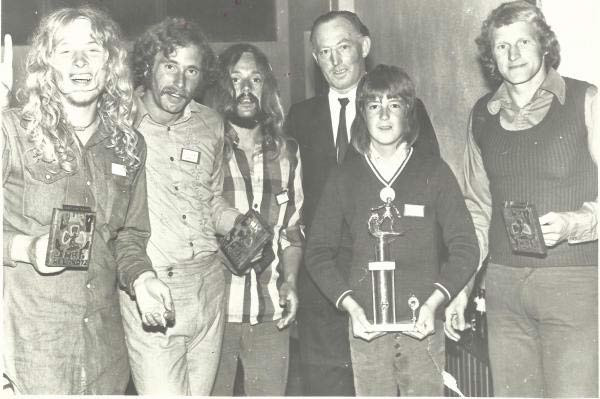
{"points": [[185, 180], [277, 191], [70, 322], [335, 108]]}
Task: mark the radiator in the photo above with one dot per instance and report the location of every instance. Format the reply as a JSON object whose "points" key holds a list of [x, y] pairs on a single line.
{"points": [[467, 360]]}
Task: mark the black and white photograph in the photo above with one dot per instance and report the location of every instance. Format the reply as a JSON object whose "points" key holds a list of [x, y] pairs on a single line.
{"points": [[300, 198]]}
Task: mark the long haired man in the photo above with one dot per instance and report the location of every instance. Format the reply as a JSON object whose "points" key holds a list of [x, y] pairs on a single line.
{"points": [[72, 143], [263, 173]]}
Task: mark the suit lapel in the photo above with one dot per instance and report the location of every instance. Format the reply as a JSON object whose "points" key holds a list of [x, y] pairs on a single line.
{"points": [[323, 121]]}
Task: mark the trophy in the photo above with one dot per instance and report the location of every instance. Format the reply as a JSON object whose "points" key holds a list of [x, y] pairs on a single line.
{"points": [[383, 225]]}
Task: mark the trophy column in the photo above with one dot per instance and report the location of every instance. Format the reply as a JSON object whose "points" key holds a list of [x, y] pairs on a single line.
{"points": [[381, 226]]}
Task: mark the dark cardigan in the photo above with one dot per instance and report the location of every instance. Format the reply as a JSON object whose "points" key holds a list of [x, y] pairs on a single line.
{"points": [[344, 208]]}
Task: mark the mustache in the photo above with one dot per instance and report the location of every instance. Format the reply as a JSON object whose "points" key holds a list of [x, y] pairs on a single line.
{"points": [[245, 96], [173, 90]]}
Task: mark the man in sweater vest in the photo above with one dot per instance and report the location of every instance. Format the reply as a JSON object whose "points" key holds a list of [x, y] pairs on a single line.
{"points": [[535, 140]]}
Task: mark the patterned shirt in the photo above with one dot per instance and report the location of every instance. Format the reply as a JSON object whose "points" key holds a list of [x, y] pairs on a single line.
{"points": [[275, 187], [185, 180]]}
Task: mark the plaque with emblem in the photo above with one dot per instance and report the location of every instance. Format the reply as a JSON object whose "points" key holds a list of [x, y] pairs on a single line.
{"points": [[244, 243], [71, 237], [523, 228]]}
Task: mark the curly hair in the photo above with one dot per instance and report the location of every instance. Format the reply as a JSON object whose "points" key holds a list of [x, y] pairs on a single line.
{"points": [[42, 110], [166, 36], [509, 13], [383, 80], [221, 97]]}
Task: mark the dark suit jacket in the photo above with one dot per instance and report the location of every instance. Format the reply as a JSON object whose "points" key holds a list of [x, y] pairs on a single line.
{"points": [[309, 122]]}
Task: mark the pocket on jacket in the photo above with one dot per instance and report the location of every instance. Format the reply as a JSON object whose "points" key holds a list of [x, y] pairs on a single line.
{"points": [[44, 189]]}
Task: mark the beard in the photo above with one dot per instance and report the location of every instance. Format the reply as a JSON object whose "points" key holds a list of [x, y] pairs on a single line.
{"points": [[247, 121]]}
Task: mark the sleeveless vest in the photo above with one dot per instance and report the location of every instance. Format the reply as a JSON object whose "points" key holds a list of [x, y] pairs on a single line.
{"points": [[548, 165]]}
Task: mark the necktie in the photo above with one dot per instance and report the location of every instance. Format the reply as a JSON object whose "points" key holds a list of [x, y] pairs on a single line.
{"points": [[341, 143]]}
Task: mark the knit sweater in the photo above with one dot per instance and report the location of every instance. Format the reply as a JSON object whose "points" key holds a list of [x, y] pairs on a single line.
{"points": [[427, 184], [548, 165]]}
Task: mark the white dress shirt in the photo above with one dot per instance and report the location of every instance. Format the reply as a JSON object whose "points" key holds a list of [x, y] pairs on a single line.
{"points": [[335, 108]]}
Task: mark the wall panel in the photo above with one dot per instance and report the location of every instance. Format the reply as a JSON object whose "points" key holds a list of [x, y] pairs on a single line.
{"points": [[434, 42]]}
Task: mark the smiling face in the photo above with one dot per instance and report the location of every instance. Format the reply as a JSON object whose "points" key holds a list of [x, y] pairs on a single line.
{"points": [[79, 64], [340, 50], [173, 83], [519, 54], [247, 81], [386, 122]]}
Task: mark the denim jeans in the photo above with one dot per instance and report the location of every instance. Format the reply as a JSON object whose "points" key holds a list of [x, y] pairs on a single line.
{"points": [[183, 359], [398, 364], [543, 330], [264, 353]]}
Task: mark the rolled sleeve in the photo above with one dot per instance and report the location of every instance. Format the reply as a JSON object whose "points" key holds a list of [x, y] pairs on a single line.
{"points": [[583, 224]]}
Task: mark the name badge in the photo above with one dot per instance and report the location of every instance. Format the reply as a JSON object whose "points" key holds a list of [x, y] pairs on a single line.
{"points": [[414, 210], [282, 197], [118, 169], [190, 155]]}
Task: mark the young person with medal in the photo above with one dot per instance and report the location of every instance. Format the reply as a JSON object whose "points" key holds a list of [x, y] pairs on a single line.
{"points": [[418, 196], [72, 146], [341, 44]]}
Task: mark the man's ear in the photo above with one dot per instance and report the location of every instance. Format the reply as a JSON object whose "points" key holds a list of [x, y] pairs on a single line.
{"points": [[365, 46]]}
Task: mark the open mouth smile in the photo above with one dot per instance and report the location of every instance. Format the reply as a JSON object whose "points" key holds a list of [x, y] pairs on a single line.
{"points": [[81, 79]]}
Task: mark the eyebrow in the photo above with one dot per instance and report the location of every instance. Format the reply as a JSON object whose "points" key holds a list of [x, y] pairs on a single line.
{"points": [[66, 41], [254, 72], [344, 40]]}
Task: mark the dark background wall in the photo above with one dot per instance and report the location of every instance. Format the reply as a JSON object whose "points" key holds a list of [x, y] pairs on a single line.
{"points": [[432, 40]]}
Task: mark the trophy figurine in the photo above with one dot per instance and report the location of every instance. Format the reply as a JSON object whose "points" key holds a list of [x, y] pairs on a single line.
{"points": [[383, 224]]}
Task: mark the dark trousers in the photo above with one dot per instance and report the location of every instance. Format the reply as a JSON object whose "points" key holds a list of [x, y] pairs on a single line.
{"points": [[325, 364]]}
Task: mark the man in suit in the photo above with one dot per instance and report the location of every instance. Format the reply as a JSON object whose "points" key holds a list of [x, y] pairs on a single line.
{"points": [[321, 125]]}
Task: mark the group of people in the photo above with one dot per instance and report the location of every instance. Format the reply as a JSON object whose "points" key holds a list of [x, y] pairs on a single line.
{"points": [[122, 134]]}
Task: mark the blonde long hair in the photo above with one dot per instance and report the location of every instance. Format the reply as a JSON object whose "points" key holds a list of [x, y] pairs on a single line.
{"points": [[42, 111]]}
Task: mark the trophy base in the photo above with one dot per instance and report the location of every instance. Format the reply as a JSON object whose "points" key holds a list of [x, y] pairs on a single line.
{"points": [[396, 327]]}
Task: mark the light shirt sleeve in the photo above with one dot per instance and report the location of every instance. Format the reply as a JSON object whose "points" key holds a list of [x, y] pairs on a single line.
{"points": [[293, 233], [476, 190], [583, 223]]}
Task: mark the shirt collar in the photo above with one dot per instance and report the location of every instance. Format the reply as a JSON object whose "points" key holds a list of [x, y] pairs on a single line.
{"points": [[142, 111], [396, 159], [554, 83], [350, 95]]}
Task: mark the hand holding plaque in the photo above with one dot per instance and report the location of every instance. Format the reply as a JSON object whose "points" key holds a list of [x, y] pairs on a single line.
{"points": [[244, 243], [523, 228]]}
